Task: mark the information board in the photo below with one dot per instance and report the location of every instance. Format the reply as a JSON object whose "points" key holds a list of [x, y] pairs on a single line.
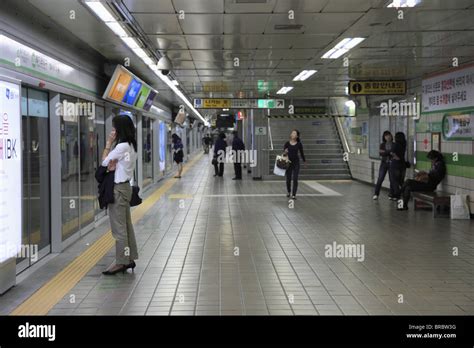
{"points": [[10, 170]]}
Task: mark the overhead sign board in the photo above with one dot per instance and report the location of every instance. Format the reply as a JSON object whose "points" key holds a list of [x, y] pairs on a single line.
{"points": [[127, 89], [215, 103], [388, 87], [448, 91]]}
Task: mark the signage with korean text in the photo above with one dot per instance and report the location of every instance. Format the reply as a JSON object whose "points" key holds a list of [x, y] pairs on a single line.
{"points": [[388, 87], [448, 91]]}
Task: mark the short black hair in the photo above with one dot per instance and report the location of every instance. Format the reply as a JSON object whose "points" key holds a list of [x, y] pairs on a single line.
{"points": [[435, 155]]}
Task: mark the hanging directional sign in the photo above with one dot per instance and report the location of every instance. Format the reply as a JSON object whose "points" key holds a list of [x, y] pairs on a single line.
{"points": [[388, 87], [215, 103]]}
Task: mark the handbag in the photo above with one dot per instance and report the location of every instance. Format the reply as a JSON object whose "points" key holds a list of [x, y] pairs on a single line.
{"points": [[460, 207], [283, 162], [278, 171], [135, 200], [214, 161]]}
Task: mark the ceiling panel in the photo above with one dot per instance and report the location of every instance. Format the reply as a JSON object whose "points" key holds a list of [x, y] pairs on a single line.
{"points": [[236, 6], [300, 5], [204, 42], [149, 6], [242, 41], [352, 5], [199, 6], [202, 24], [153, 23], [245, 24]]}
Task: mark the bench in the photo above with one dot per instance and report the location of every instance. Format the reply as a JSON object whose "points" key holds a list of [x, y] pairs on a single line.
{"points": [[438, 201]]}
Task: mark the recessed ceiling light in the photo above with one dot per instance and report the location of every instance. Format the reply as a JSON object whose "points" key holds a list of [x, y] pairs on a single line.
{"points": [[304, 75], [404, 3], [342, 47], [284, 90]]}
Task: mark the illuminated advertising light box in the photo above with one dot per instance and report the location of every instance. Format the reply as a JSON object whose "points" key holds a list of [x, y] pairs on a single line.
{"points": [[142, 97], [120, 86], [149, 101], [132, 92], [128, 90], [10, 170]]}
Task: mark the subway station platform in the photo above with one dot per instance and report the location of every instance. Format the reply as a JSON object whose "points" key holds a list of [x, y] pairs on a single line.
{"points": [[214, 246]]}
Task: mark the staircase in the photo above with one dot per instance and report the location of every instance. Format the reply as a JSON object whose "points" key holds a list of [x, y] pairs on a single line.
{"points": [[321, 144]]}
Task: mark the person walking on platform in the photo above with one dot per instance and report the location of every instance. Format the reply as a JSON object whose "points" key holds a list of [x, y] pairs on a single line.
{"points": [[292, 148], [207, 143], [238, 147], [219, 155], [122, 160], [397, 168], [178, 153], [423, 181], [384, 151]]}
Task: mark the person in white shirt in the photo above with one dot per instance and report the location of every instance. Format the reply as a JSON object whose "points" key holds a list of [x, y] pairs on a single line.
{"points": [[122, 160]]}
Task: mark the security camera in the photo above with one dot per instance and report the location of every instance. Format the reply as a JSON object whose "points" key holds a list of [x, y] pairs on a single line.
{"points": [[165, 65]]}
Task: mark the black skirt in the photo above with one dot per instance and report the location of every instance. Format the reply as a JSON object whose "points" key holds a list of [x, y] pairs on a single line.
{"points": [[178, 156]]}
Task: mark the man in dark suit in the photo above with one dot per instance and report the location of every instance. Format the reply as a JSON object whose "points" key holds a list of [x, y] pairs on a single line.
{"points": [[237, 146]]}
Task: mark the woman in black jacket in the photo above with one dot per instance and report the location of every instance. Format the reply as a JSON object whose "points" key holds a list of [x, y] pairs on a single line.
{"points": [[397, 164], [292, 148], [384, 151]]}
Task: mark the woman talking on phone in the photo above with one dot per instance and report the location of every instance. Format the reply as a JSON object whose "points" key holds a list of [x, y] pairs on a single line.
{"points": [[120, 155]]}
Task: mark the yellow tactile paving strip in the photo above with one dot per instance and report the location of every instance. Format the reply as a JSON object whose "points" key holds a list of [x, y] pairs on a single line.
{"points": [[45, 298]]}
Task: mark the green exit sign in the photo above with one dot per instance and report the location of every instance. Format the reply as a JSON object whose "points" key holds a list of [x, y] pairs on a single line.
{"points": [[266, 103]]}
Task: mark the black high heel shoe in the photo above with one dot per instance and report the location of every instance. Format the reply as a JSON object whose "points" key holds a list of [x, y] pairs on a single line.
{"points": [[132, 265], [122, 269]]}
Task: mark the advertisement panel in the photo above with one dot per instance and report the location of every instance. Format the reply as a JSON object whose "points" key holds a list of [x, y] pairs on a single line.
{"points": [[132, 92], [127, 89], [142, 97], [10, 170], [448, 91]]}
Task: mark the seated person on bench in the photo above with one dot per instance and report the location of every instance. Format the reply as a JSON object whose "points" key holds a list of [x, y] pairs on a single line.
{"points": [[425, 182]]}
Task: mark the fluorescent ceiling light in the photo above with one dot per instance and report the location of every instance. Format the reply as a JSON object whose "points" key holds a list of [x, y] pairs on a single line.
{"points": [[304, 75], [117, 28], [101, 11], [153, 66], [225, 109], [404, 3], [140, 52], [174, 82], [131, 42], [284, 90], [170, 84], [147, 60], [342, 47]]}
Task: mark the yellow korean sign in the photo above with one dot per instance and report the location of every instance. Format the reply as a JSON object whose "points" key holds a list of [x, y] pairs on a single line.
{"points": [[387, 87], [212, 103]]}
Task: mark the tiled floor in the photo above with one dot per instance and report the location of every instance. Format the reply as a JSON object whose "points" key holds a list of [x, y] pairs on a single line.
{"points": [[213, 246]]}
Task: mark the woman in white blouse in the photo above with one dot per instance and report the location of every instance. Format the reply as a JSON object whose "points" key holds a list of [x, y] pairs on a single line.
{"points": [[122, 160]]}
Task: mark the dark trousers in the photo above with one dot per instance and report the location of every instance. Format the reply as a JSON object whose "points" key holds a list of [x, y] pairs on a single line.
{"points": [[383, 169], [219, 169], [414, 186], [292, 172], [395, 175], [238, 170]]}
